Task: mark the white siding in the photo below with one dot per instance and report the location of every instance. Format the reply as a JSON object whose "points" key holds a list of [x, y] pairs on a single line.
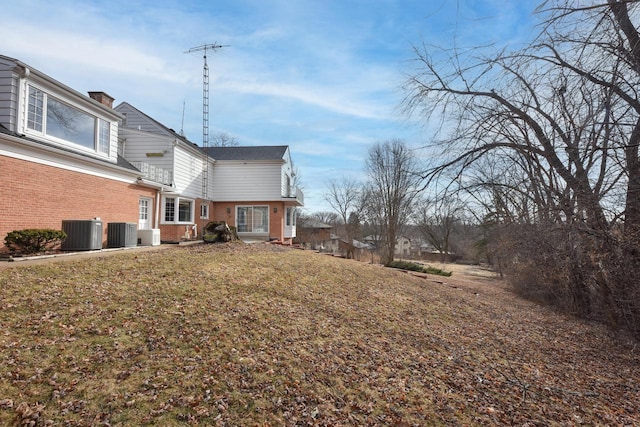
{"points": [[138, 144], [168, 151], [286, 171], [187, 172], [113, 140], [246, 181]]}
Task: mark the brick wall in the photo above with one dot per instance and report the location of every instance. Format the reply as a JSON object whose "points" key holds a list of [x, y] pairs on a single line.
{"points": [[40, 196], [181, 232], [226, 211]]}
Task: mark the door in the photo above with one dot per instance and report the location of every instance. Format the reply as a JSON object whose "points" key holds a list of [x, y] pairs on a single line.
{"points": [[145, 213], [290, 223]]}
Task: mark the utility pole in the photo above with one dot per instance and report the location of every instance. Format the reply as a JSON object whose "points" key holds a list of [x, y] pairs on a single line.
{"points": [[205, 114]]}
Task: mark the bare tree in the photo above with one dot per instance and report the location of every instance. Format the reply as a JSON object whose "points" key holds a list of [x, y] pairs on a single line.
{"points": [[560, 122], [223, 139], [394, 184], [330, 218], [296, 178], [436, 219], [343, 195]]}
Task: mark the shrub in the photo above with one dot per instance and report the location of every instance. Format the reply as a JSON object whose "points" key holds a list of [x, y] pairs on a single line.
{"points": [[33, 240], [413, 266]]}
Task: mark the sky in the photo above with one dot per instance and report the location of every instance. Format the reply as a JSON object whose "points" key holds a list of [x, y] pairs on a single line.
{"points": [[321, 76]]}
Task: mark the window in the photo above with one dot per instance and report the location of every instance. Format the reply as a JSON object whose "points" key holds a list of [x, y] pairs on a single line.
{"points": [[70, 124], [50, 116], [204, 211], [104, 132], [184, 209], [34, 118], [252, 219], [290, 219], [169, 209]]}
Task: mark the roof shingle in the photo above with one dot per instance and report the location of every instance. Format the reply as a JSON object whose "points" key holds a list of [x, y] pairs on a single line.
{"points": [[262, 152]]}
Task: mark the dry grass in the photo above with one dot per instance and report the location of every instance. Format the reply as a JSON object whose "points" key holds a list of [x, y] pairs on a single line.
{"points": [[251, 335]]}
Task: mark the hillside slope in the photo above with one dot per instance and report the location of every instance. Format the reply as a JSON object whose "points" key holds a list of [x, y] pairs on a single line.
{"points": [[240, 334]]}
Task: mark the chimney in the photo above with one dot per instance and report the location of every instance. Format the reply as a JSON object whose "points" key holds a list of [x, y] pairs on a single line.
{"points": [[102, 98]]}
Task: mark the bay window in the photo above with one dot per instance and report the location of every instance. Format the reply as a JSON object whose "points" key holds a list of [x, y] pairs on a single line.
{"points": [[177, 210]]}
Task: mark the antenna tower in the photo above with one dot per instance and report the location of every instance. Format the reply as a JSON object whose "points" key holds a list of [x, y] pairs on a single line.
{"points": [[205, 114]]}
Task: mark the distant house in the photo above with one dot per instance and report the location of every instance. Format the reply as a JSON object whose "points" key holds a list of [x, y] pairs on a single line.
{"points": [[360, 250], [314, 234], [167, 159], [402, 246], [252, 189], [59, 155]]}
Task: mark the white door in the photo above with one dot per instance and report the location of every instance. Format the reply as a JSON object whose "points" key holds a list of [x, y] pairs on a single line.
{"points": [[145, 211], [290, 223]]}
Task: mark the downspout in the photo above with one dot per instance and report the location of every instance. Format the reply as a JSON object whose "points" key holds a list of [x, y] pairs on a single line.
{"points": [[157, 210]]}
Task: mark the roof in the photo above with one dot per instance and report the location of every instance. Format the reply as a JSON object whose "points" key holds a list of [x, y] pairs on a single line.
{"points": [[170, 131], [70, 92], [260, 152], [312, 223], [355, 243]]}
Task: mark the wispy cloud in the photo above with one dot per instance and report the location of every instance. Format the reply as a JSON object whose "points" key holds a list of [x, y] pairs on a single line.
{"points": [[95, 54], [328, 101], [321, 76]]}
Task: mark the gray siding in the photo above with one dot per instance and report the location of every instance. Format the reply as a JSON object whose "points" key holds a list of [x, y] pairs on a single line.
{"points": [[8, 94], [136, 120]]}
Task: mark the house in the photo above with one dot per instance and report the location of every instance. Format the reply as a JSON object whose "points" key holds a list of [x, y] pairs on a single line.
{"points": [[248, 187], [68, 156], [253, 190], [182, 206], [313, 234], [402, 247], [59, 156], [361, 251]]}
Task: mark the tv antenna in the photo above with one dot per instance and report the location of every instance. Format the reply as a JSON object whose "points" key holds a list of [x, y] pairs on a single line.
{"points": [[184, 103], [205, 112]]}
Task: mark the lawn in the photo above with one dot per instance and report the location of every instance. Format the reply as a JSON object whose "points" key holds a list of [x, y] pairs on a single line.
{"points": [[260, 335]]}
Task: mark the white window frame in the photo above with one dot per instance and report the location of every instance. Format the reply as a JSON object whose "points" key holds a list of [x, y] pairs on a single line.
{"points": [[290, 216], [177, 202], [204, 210], [251, 230], [36, 117]]}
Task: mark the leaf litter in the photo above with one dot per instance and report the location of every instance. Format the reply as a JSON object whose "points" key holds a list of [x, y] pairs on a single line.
{"points": [[237, 334]]}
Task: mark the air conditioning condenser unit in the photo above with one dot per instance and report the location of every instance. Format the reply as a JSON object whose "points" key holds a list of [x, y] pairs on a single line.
{"points": [[150, 237]]}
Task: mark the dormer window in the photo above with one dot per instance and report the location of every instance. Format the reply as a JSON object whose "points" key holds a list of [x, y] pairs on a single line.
{"points": [[54, 118]]}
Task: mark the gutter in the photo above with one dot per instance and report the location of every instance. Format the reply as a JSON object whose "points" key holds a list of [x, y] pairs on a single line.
{"points": [[22, 141]]}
